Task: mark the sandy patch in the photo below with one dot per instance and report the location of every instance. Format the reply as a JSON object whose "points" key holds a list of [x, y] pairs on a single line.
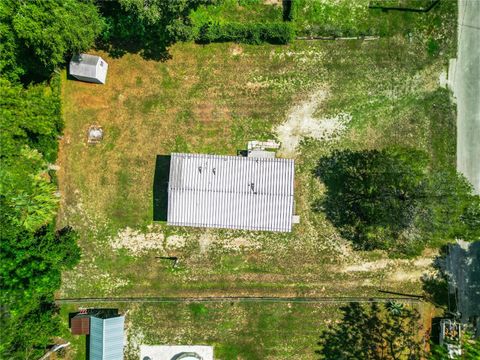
{"points": [[397, 269], [406, 275], [175, 241], [204, 242], [238, 244], [138, 242], [301, 123], [368, 266]]}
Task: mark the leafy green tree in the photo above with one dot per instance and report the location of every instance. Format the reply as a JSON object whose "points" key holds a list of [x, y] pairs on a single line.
{"points": [[32, 262], [30, 272], [30, 116], [27, 328], [26, 194], [372, 196], [162, 11], [390, 199], [148, 27], [38, 34], [450, 209], [372, 332]]}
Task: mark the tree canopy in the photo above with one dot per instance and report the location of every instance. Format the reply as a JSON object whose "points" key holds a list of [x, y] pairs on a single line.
{"points": [[373, 332], [148, 27], [390, 199], [38, 34]]}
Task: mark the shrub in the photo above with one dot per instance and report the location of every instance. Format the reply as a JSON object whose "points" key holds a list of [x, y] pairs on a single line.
{"points": [[253, 33]]}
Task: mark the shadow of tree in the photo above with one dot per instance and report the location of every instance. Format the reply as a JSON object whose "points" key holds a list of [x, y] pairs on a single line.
{"points": [[372, 196], [371, 331], [435, 285]]}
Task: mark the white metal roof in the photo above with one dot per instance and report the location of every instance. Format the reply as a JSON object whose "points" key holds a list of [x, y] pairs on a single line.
{"points": [[107, 338], [88, 67], [230, 192]]}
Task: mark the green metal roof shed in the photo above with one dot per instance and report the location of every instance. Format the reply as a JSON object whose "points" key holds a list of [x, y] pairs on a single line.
{"points": [[106, 338]]}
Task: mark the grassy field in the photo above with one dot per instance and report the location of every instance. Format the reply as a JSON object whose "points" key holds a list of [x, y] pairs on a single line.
{"points": [[213, 99], [235, 330]]}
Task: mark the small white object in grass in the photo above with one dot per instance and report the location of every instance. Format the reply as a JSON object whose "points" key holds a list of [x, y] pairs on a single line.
{"points": [[95, 134]]}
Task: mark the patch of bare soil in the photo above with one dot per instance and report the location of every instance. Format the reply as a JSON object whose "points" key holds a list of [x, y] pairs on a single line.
{"points": [[138, 242], [301, 123], [399, 270]]}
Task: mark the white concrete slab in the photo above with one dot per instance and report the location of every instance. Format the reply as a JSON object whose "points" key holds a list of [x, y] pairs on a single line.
{"points": [[176, 352]]}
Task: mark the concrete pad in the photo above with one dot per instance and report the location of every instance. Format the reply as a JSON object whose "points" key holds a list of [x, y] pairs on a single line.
{"points": [[176, 352]]}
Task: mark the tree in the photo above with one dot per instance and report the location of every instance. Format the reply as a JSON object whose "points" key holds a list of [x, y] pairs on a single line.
{"points": [[390, 199], [26, 194], [161, 11], [40, 33], [372, 196], [30, 116], [372, 332], [30, 272], [149, 27]]}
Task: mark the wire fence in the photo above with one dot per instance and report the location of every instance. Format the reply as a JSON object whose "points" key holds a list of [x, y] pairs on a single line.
{"points": [[240, 299]]}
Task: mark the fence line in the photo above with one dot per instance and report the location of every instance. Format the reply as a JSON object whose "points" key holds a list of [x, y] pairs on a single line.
{"points": [[238, 299]]}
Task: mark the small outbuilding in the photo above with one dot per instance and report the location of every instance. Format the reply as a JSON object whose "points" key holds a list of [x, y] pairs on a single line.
{"points": [[89, 68]]}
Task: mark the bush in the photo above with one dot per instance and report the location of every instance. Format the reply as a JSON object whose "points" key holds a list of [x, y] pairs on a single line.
{"points": [[253, 33]]}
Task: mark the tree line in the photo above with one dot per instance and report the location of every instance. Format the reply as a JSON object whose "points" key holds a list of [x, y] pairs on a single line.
{"points": [[38, 37], [35, 38]]}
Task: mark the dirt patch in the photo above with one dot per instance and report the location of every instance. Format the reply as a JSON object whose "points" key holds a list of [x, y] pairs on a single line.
{"points": [[406, 276], [236, 50], [301, 123], [175, 241], [368, 266], [399, 270], [137, 242]]}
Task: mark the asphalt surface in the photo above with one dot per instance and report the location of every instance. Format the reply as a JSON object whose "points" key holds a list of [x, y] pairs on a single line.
{"points": [[467, 91], [463, 269]]}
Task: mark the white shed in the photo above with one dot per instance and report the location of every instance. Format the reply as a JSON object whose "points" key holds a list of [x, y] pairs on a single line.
{"points": [[90, 68]]}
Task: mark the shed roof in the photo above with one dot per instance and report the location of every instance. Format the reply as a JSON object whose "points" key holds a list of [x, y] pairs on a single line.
{"points": [[84, 65], [106, 338], [231, 192], [80, 324], [88, 67]]}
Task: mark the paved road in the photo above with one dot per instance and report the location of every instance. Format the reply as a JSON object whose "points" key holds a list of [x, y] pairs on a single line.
{"points": [[467, 91], [463, 269]]}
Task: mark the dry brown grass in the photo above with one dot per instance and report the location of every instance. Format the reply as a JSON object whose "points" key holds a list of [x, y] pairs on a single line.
{"points": [[213, 99]]}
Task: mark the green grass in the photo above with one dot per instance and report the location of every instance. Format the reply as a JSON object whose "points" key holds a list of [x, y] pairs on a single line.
{"points": [[219, 103], [355, 18], [243, 11], [236, 330], [213, 99]]}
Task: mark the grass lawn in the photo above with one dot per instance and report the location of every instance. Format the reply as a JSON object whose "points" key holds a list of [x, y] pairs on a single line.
{"points": [[235, 330], [213, 99]]}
